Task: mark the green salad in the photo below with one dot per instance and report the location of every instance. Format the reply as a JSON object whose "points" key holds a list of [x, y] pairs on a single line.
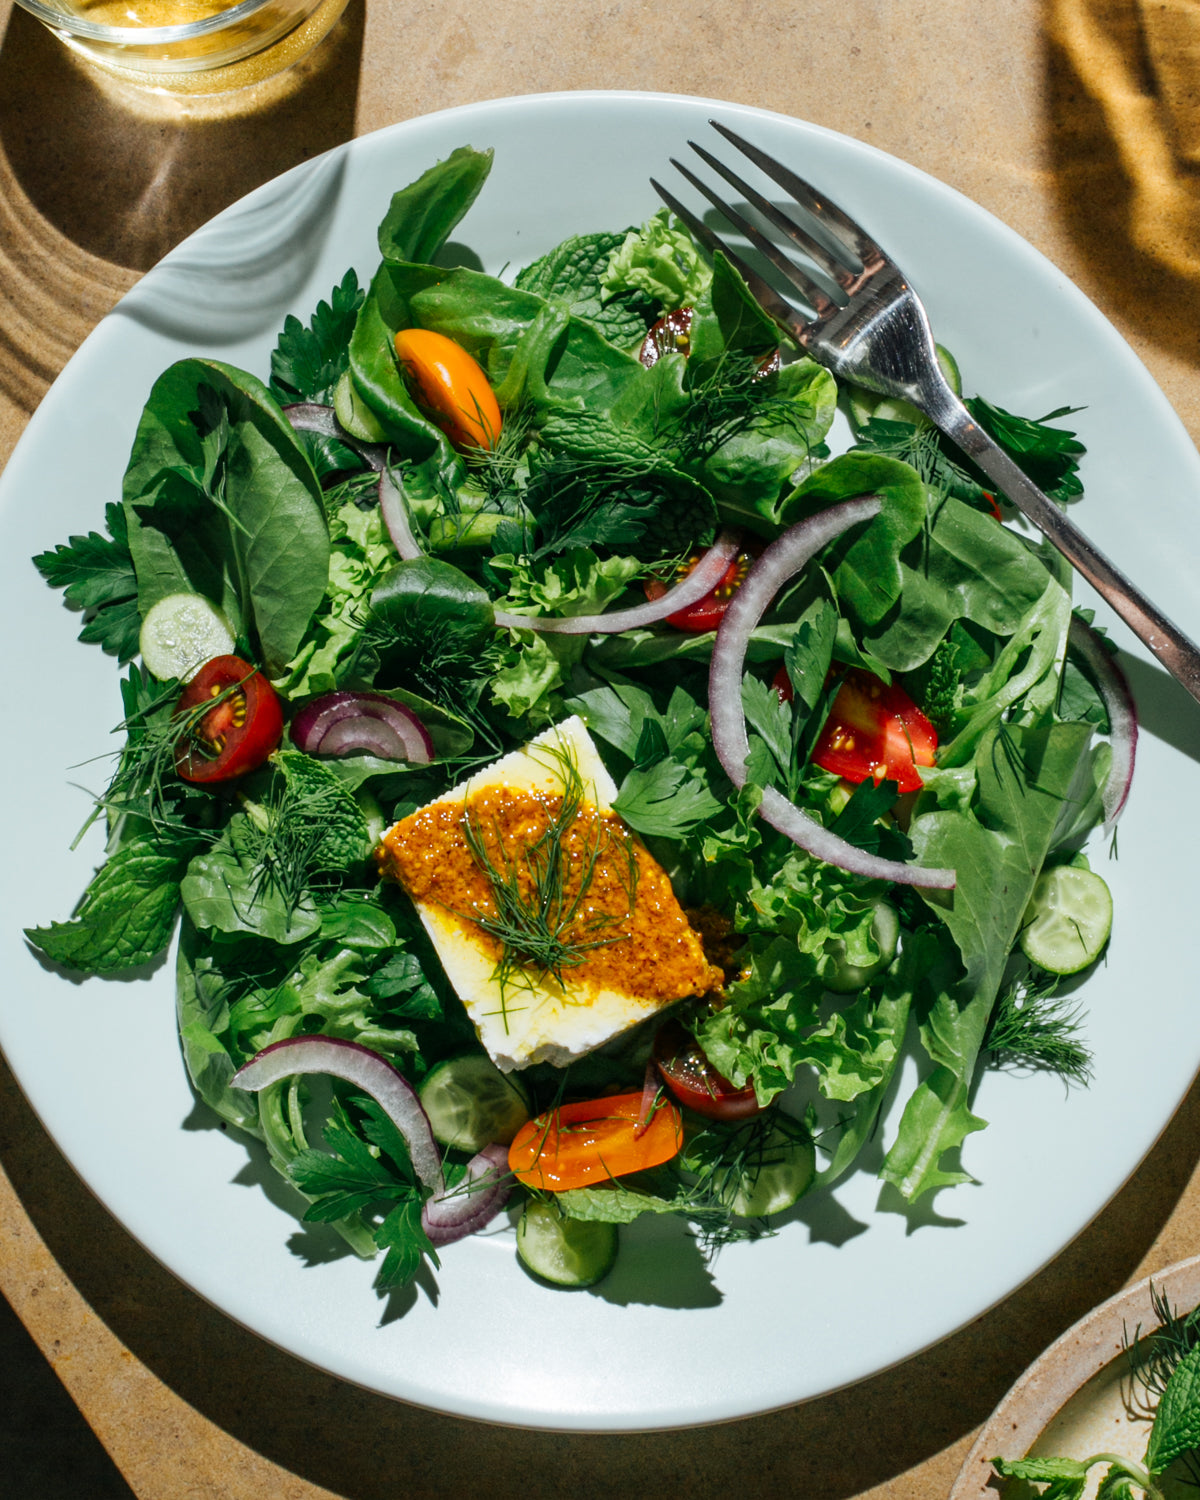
{"points": [[384, 539]]}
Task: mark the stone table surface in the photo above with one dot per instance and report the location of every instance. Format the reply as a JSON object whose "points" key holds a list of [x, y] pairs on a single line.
{"points": [[96, 183]]}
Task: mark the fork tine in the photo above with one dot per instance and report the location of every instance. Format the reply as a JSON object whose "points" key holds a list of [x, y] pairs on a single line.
{"points": [[852, 236], [762, 290], [835, 268], [816, 296]]}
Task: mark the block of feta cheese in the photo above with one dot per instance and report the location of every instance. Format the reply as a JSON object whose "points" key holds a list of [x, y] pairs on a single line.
{"points": [[554, 923]]}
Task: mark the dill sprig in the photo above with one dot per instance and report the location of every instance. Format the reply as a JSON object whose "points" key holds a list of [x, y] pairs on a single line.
{"points": [[1152, 1360], [539, 892], [729, 396], [1040, 1029]]}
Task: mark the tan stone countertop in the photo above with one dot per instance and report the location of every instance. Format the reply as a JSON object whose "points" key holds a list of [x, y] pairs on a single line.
{"points": [[93, 189]]}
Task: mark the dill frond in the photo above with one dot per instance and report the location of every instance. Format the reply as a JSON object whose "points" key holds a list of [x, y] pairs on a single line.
{"points": [[540, 892], [1040, 1029]]}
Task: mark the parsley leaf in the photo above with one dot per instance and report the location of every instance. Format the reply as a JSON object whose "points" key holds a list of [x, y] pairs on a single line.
{"points": [[96, 573], [350, 1177], [667, 800], [307, 363]]}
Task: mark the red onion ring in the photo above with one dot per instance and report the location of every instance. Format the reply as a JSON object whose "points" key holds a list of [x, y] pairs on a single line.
{"points": [[453, 1213], [1113, 688], [782, 560], [365, 1069], [703, 578], [650, 1087], [346, 723], [394, 509], [308, 416]]}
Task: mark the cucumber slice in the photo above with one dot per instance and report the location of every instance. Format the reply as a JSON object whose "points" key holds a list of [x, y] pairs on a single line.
{"points": [[180, 633], [847, 977], [864, 405], [471, 1103], [781, 1171], [567, 1252], [1067, 921]]}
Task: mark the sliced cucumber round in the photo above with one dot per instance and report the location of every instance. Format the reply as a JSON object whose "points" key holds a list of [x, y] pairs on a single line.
{"points": [[567, 1252], [846, 976], [776, 1174], [180, 633], [1067, 921], [471, 1103], [866, 406]]}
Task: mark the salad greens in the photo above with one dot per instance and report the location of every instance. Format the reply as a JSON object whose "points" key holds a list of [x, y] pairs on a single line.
{"points": [[1164, 1384], [608, 473]]}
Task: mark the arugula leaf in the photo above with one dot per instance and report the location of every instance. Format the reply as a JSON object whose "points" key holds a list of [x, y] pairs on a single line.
{"points": [[97, 576], [128, 910], [307, 363]]}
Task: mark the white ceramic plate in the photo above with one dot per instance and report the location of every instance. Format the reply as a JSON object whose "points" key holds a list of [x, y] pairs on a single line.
{"points": [[849, 1286]]}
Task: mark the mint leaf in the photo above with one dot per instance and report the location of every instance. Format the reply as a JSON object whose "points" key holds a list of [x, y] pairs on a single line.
{"points": [[127, 912], [1176, 1427], [572, 274], [307, 363], [96, 574]]}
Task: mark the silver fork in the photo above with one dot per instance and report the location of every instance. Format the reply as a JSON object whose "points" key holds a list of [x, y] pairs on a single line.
{"points": [[880, 338]]}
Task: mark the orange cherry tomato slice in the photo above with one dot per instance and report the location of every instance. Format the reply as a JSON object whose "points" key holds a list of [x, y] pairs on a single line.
{"points": [[593, 1141], [707, 613], [450, 386], [875, 730], [239, 732]]}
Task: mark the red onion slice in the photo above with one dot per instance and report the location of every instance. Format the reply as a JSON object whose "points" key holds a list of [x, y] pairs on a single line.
{"points": [[308, 416], [1113, 687], [365, 1069], [346, 723], [703, 578], [396, 518], [782, 560], [453, 1213]]}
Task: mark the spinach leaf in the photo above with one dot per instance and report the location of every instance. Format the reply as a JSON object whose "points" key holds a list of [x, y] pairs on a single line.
{"points": [[421, 216], [220, 500]]}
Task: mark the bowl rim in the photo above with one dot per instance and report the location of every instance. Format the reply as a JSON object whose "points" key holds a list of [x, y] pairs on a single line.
{"points": [[1085, 1349]]}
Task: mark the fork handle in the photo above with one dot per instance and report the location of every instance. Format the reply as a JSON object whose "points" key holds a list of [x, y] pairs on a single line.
{"points": [[1170, 646]]}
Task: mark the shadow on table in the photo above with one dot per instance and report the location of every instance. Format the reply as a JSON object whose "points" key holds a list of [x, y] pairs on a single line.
{"points": [[100, 178], [361, 1446], [1123, 157]]}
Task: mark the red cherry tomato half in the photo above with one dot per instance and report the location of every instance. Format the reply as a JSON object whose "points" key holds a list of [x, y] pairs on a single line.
{"points": [[706, 613], [593, 1141], [782, 684], [875, 730], [241, 729], [671, 334], [695, 1082]]}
